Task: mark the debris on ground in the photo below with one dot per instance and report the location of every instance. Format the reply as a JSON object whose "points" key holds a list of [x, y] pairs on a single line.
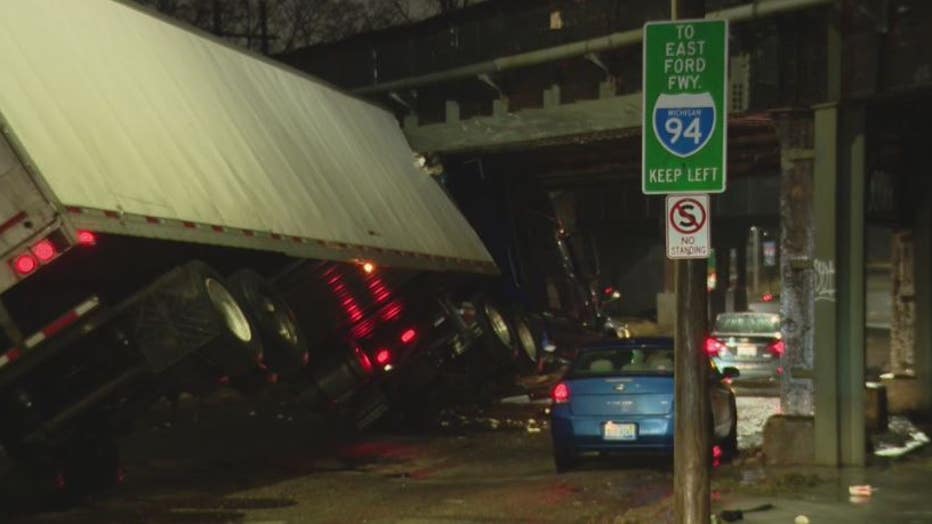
{"points": [[860, 494], [734, 515], [861, 490], [900, 438], [503, 416]]}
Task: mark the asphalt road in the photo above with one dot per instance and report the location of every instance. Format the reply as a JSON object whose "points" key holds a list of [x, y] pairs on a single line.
{"points": [[242, 464]]}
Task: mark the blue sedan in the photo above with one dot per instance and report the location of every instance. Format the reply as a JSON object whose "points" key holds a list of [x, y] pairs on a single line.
{"points": [[618, 397]]}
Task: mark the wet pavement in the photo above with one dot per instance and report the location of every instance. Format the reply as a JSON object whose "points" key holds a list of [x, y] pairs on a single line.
{"points": [[273, 464], [899, 493], [264, 468]]}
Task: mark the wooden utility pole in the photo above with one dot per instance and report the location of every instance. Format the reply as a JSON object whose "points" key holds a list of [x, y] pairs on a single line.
{"points": [[692, 446]]}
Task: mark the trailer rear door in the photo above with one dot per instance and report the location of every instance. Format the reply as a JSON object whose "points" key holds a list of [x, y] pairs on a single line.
{"points": [[24, 212]]}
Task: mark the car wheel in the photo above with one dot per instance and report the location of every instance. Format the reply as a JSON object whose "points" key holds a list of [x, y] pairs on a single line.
{"points": [[564, 459], [285, 349], [730, 444]]}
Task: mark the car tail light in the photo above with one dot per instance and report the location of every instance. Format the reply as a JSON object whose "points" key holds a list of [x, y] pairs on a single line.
{"points": [[363, 359], [383, 356], [87, 238], [561, 393], [25, 264], [777, 348], [408, 336], [768, 297], [714, 348]]}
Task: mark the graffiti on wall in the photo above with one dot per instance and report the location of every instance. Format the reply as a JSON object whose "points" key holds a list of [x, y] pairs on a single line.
{"points": [[824, 280]]}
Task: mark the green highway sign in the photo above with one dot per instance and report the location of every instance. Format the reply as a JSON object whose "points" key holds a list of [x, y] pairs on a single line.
{"points": [[685, 118]]}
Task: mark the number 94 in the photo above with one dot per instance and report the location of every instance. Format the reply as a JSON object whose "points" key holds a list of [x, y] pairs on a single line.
{"points": [[674, 126]]}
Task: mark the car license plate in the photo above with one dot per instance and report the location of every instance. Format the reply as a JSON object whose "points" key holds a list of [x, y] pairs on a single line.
{"points": [[619, 431], [747, 350]]}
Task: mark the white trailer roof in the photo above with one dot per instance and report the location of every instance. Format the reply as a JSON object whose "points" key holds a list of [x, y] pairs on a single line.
{"points": [[126, 115]]}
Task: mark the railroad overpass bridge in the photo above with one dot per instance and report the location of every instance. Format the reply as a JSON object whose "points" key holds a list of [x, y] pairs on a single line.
{"points": [[825, 98]]}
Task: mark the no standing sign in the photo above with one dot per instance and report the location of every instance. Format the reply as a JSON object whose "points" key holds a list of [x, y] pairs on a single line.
{"points": [[687, 226], [685, 118]]}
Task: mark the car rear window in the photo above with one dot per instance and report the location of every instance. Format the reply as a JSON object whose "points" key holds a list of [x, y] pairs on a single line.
{"points": [[623, 361], [747, 323]]}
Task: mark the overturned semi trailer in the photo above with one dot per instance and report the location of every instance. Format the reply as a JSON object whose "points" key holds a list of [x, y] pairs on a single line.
{"points": [[176, 213]]}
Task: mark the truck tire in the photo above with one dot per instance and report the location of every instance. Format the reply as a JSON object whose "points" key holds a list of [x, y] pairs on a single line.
{"points": [[191, 326], [285, 348], [337, 380], [498, 333], [529, 348]]}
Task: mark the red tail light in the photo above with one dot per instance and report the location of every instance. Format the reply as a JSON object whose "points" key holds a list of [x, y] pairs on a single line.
{"points": [[44, 251], [86, 238], [383, 356], [561, 393], [777, 348], [363, 359], [25, 264], [714, 348], [408, 336], [768, 297]]}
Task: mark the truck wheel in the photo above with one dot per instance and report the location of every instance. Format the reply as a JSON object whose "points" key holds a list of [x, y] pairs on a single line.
{"points": [[191, 326], [285, 348], [500, 339], [238, 348], [528, 343]]}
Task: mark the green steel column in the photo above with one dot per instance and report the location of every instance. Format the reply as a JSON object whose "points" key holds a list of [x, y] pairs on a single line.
{"points": [[826, 343], [851, 199]]}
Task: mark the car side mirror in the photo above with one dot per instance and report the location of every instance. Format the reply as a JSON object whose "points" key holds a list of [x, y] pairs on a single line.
{"points": [[731, 372]]}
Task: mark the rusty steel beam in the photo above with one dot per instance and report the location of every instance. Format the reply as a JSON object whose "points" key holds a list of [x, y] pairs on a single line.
{"points": [[757, 10]]}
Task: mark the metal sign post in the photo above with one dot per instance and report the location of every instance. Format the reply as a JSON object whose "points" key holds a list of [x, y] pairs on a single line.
{"points": [[684, 151]]}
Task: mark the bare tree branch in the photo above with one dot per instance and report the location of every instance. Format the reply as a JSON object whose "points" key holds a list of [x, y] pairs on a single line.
{"points": [[291, 23]]}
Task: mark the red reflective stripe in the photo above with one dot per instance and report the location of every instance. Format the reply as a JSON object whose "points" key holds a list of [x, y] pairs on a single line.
{"points": [[12, 221], [218, 229], [153, 220], [190, 225], [14, 354], [248, 233], [111, 214], [60, 324]]}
